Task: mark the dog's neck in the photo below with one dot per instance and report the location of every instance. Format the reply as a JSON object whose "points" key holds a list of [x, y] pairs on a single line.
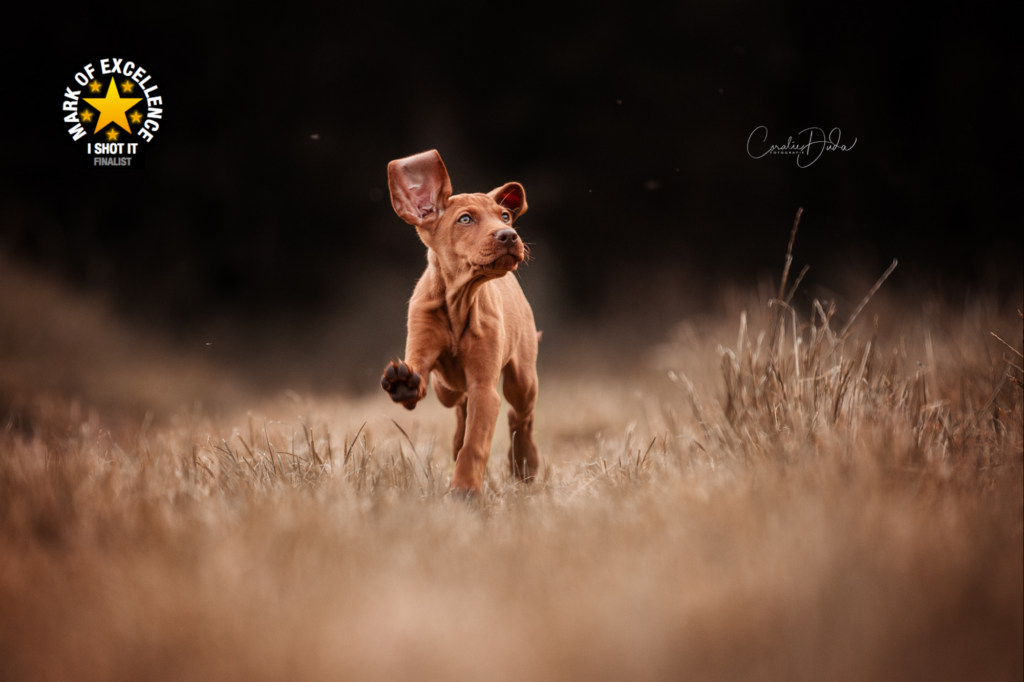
{"points": [[458, 288]]}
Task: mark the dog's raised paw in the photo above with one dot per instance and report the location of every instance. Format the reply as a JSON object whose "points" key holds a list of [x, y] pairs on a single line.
{"points": [[401, 383]]}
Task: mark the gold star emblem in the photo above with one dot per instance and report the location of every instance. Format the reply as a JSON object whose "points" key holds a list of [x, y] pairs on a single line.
{"points": [[94, 86], [112, 108], [112, 134], [136, 117], [86, 115], [127, 86]]}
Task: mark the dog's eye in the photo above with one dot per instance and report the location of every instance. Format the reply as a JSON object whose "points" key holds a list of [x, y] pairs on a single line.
{"points": [[465, 219], [505, 216]]}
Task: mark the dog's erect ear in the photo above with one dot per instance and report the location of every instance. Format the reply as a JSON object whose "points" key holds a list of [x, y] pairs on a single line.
{"points": [[419, 186], [512, 196]]}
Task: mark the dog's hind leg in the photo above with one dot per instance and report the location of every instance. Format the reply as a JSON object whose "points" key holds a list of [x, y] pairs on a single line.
{"points": [[520, 389], [460, 427], [456, 399]]}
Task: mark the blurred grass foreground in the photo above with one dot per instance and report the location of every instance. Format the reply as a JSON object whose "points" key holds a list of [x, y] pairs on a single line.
{"points": [[769, 495]]}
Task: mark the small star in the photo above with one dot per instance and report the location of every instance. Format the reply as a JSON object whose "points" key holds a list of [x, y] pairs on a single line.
{"points": [[127, 86], [136, 117], [94, 86], [112, 134], [85, 115]]}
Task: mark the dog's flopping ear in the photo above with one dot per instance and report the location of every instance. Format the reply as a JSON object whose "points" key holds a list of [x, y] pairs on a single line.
{"points": [[512, 196], [420, 187]]}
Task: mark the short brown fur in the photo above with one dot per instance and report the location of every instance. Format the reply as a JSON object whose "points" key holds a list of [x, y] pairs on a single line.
{"points": [[468, 323]]}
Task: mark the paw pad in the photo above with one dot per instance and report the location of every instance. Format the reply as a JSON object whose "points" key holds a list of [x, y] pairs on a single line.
{"points": [[401, 382]]}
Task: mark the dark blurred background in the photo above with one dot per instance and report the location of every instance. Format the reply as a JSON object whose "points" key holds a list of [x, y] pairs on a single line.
{"points": [[262, 210]]}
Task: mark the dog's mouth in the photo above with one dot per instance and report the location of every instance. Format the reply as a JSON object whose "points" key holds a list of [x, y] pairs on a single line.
{"points": [[496, 265], [505, 263]]}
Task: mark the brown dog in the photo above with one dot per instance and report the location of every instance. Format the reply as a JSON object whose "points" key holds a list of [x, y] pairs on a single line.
{"points": [[468, 322]]}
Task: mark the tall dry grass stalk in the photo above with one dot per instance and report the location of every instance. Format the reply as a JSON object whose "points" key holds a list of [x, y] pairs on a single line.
{"points": [[837, 505]]}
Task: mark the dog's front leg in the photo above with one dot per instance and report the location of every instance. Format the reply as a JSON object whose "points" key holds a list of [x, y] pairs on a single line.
{"points": [[482, 407], [406, 381]]}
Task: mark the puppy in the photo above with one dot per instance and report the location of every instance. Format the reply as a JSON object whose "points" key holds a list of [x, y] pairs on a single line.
{"points": [[469, 322]]}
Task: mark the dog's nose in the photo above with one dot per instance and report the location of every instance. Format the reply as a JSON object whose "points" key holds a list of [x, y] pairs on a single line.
{"points": [[506, 236]]}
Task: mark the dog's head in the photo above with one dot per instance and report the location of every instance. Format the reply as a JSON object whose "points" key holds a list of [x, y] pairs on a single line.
{"points": [[469, 233]]}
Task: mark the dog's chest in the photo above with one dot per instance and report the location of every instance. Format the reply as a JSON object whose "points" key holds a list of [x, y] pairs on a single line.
{"points": [[450, 371]]}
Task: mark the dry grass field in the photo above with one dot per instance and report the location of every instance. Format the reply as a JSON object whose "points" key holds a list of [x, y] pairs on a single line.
{"points": [[754, 496]]}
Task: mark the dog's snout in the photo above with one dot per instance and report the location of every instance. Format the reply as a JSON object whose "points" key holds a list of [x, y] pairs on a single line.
{"points": [[507, 236]]}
